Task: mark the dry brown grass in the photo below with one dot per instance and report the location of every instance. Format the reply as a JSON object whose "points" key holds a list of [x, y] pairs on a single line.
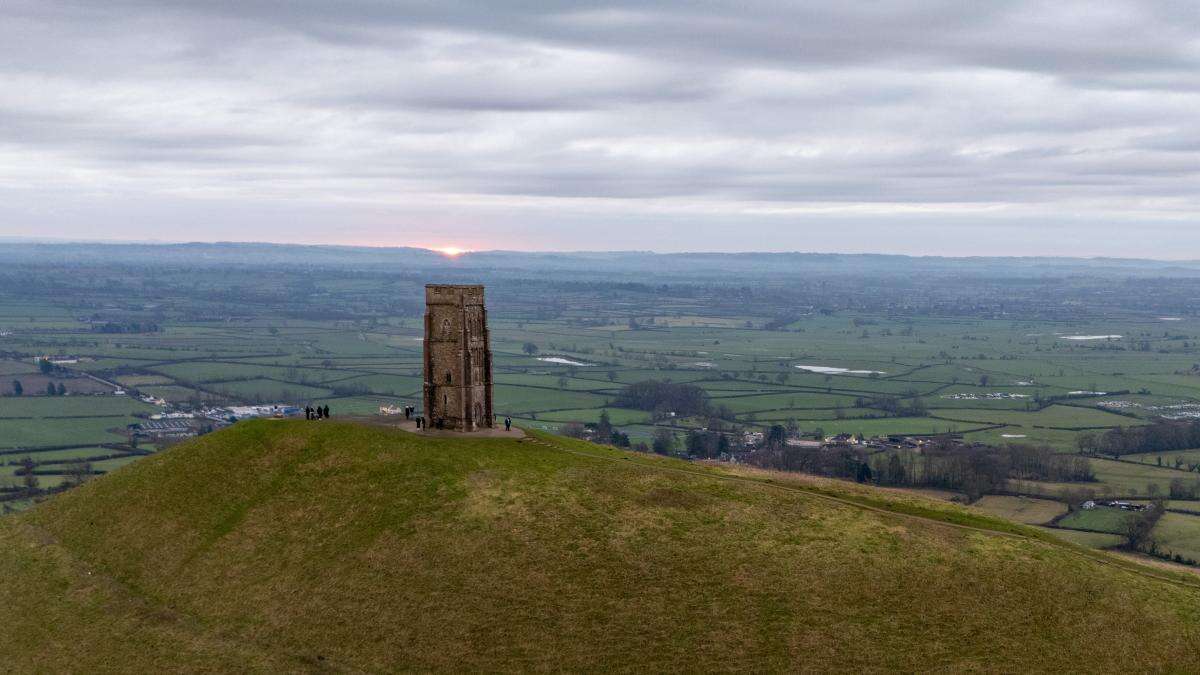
{"points": [[1028, 510]]}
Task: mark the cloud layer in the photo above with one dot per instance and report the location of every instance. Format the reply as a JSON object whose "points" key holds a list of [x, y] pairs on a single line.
{"points": [[919, 127]]}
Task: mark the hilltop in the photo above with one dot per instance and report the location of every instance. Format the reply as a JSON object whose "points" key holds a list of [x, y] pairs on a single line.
{"points": [[298, 546]]}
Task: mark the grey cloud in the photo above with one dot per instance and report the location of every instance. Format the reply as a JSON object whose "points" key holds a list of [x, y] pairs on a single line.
{"points": [[520, 113], [1080, 37]]}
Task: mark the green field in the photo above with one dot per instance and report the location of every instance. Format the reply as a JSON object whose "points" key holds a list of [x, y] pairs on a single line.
{"points": [[1054, 417], [1088, 539], [267, 390], [9, 367], [959, 368], [1099, 519], [71, 406], [1185, 457], [1113, 479], [1132, 479], [179, 394], [21, 433], [1178, 533]]}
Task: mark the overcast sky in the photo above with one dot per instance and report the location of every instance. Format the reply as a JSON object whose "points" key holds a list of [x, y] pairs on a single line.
{"points": [[927, 127]]}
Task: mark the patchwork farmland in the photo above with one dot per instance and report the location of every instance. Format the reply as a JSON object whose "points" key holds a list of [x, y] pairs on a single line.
{"points": [[184, 340]]}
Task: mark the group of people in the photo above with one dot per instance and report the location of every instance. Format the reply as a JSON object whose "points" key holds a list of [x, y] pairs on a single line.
{"points": [[408, 415], [322, 412]]}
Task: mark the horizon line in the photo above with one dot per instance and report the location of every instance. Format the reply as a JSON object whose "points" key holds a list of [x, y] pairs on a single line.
{"points": [[66, 241]]}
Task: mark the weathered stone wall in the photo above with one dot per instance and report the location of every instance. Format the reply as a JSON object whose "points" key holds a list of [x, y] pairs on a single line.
{"points": [[457, 358]]}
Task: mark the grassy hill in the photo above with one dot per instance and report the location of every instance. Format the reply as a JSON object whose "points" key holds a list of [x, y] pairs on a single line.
{"points": [[303, 546]]}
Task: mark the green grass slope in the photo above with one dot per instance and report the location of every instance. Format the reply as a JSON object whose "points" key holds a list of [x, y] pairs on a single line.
{"points": [[279, 545]]}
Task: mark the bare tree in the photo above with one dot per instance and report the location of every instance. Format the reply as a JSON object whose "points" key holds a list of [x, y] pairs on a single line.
{"points": [[78, 472], [28, 477], [1139, 529]]}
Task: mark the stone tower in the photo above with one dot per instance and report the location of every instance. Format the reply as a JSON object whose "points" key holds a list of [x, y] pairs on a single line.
{"points": [[458, 358]]}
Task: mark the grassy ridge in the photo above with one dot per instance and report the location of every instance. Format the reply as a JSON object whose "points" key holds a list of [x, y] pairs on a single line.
{"points": [[290, 545]]}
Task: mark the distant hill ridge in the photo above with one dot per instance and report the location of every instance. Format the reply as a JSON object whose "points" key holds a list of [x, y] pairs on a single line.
{"points": [[233, 253], [288, 545]]}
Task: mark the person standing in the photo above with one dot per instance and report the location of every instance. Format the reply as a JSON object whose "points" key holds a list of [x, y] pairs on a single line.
{"points": [[508, 424], [326, 411]]}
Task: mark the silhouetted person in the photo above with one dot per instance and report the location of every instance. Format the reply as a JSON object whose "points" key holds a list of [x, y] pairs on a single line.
{"points": [[508, 424], [407, 412], [308, 412], [327, 412]]}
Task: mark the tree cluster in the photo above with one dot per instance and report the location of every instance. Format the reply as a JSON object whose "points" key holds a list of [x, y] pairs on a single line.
{"points": [[1139, 527], [706, 444], [895, 406], [661, 396], [838, 461], [977, 469], [1160, 435]]}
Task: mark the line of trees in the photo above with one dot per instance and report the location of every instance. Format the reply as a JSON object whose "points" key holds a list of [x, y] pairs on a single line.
{"points": [[1160, 435], [706, 444], [977, 470], [839, 461], [973, 469], [894, 405]]}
